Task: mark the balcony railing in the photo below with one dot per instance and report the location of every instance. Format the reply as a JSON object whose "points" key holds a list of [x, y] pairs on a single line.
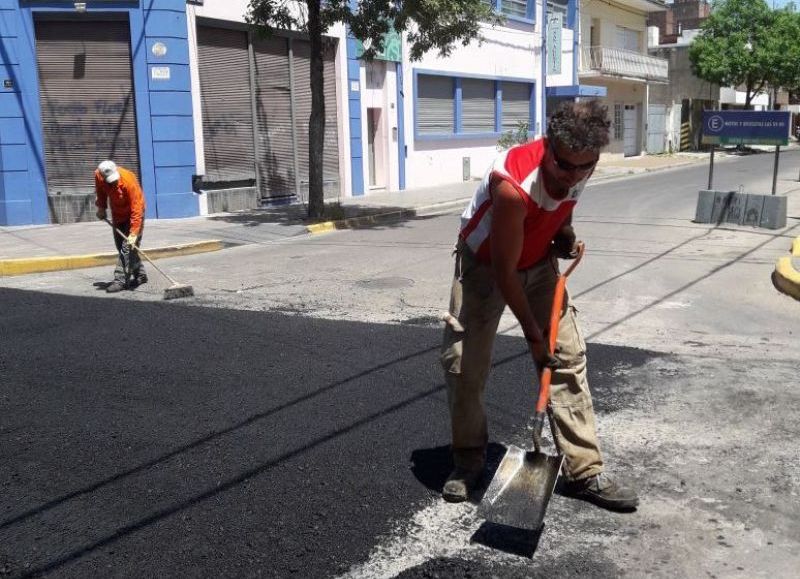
{"points": [[623, 63]]}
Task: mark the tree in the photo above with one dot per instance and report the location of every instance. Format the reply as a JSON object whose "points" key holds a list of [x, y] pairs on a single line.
{"points": [[786, 45], [428, 24], [745, 43]]}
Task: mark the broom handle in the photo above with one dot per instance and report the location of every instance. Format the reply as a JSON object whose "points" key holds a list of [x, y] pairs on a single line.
{"points": [[142, 253], [555, 319]]}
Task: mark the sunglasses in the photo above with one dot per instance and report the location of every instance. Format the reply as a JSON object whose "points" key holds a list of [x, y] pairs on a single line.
{"points": [[565, 165]]}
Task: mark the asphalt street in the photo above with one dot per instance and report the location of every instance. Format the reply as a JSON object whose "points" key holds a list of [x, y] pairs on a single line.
{"points": [[291, 419]]}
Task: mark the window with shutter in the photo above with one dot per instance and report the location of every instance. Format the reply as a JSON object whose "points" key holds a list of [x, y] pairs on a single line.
{"points": [[477, 106], [515, 8], [435, 105], [473, 101], [516, 104]]}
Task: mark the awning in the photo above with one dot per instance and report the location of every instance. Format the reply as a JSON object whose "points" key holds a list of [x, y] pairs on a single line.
{"points": [[576, 90]]}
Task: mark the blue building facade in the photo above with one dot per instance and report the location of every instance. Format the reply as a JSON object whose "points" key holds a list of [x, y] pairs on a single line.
{"points": [[160, 120]]}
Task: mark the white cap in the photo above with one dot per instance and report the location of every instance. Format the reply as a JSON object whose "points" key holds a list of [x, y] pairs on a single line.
{"points": [[108, 169]]}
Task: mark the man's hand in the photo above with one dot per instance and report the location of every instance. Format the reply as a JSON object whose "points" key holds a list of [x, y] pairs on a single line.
{"points": [[542, 356], [565, 244], [101, 214], [132, 239]]}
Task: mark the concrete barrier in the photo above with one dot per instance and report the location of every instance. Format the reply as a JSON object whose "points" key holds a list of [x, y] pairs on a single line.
{"points": [[767, 211]]}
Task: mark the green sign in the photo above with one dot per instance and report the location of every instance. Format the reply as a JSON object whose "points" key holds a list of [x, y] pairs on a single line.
{"points": [[392, 47], [555, 24]]}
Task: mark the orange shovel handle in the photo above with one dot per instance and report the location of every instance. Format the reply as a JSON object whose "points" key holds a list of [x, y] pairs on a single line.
{"points": [[555, 318]]}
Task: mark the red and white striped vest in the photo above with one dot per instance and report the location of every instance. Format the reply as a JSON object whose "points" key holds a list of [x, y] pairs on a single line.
{"points": [[519, 166]]}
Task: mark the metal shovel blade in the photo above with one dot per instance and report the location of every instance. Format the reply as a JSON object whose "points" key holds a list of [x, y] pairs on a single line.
{"points": [[521, 489]]}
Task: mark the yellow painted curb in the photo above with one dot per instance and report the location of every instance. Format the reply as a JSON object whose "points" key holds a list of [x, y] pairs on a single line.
{"points": [[786, 278], [351, 222], [321, 227], [23, 266], [796, 247]]}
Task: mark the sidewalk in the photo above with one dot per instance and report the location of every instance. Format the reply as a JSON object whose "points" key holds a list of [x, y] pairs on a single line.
{"points": [[170, 237]]}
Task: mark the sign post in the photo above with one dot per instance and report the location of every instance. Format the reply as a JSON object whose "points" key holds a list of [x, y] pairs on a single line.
{"points": [[711, 168], [740, 128]]}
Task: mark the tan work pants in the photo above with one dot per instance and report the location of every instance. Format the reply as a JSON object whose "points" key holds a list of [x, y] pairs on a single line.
{"points": [[475, 309]]}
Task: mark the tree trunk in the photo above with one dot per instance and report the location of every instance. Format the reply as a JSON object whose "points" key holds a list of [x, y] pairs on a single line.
{"points": [[316, 124]]}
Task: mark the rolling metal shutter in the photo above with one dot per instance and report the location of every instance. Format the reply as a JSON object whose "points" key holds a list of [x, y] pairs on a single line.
{"points": [[229, 108], [302, 99], [477, 106], [224, 64], [275, 161], [330, 168], [87, 100], [435, 112], [516, 104]]}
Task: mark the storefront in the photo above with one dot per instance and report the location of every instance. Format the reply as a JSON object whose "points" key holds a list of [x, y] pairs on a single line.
{"points": [[255, 99], [84, 82]]}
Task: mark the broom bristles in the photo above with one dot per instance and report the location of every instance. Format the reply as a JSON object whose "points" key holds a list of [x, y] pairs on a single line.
{"points": [[178, 291]]}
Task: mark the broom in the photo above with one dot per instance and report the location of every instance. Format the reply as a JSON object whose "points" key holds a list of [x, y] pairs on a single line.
{"points": [[176, 290]]}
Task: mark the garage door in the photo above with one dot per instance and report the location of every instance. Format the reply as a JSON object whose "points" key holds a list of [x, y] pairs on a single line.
{"points": [[276, 161], [282, 105], [224, 65], [302, 99], [656, 128], [631, 130], [87, 101]]}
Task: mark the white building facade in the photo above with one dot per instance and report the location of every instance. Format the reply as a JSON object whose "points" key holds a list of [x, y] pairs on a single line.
{"points": [[391, 123], [614, 54]]}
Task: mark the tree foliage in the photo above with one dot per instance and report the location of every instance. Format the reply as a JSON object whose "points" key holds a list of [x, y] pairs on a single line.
{"points": [[428, 25], [746, 44]]}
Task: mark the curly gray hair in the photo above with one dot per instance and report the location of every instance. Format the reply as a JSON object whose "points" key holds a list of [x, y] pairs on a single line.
{"points": [[580, 126]]}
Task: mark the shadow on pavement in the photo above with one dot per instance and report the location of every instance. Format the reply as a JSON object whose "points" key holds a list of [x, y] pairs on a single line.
{"points": [[521, 542], [365, 216], [432, 466]]}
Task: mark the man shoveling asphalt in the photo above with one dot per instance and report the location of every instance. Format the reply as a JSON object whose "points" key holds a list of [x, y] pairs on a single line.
{"points": [[517, 223], [120, 188]]}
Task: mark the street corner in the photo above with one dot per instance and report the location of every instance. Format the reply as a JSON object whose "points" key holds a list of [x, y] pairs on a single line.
{"points": [[31, 265], [786, 277]]}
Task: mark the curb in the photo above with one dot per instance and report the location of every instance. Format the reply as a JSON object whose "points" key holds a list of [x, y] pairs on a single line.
{"points": [[23, 266], [785, 277], [632, 171], [353, 222]]}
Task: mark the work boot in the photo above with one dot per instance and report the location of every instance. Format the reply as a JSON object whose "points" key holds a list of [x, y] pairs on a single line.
{"points": [[115, 286], [459, 484], [137, 281], [603, 491]]}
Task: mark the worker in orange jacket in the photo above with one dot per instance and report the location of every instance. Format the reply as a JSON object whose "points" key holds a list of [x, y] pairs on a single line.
{"points": [[119, 188]]}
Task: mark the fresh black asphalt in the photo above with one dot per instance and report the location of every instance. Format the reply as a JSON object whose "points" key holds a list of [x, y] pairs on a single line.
{"points": [[164, 440]]}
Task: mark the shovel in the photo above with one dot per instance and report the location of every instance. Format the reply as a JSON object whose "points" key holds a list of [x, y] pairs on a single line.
{"points": [[524, 481]]}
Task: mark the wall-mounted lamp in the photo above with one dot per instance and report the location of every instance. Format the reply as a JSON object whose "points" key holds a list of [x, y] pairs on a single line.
{"points": [[80, 7], [159, 49]]}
